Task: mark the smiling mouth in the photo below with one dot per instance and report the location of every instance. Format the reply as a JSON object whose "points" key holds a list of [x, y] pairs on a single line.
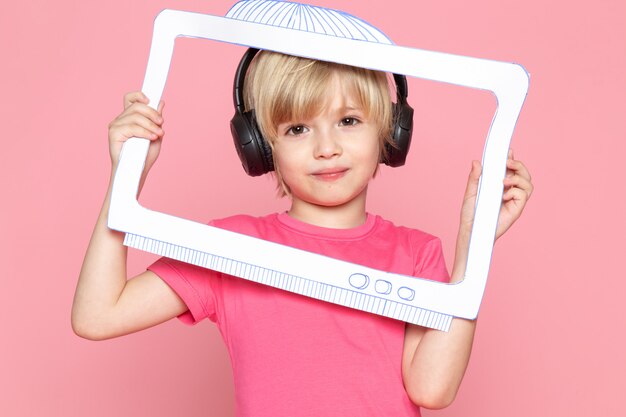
{"points": [[330, 174]]}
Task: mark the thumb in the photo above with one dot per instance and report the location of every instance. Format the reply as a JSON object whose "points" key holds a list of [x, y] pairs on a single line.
{"points": [[472, 181]]}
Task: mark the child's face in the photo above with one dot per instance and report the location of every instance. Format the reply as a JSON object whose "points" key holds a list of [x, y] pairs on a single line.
{"points": [[328, 160]]}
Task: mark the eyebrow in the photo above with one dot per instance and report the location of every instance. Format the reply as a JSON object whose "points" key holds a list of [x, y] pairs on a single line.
{"points": [[349, 108]]}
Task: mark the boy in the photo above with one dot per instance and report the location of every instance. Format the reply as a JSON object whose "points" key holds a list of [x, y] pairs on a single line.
{"points": [[327, 126]]}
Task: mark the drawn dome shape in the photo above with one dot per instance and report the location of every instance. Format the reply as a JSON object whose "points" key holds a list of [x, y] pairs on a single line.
{"points": [[306, 18]]}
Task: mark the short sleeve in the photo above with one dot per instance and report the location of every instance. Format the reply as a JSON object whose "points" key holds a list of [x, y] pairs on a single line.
{"points": [[430, 263], [193, 284]]}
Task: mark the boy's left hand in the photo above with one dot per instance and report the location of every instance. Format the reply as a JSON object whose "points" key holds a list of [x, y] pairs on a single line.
{"points": [[517, 190]]}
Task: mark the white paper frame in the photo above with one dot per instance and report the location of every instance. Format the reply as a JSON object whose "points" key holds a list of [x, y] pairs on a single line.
{"points": [[508, 82]]}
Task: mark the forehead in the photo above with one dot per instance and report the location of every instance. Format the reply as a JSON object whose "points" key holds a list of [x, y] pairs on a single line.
{"points": [[339, 91]]}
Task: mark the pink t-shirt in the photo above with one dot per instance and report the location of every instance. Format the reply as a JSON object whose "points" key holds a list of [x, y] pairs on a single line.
{"points": [[296, 356]]}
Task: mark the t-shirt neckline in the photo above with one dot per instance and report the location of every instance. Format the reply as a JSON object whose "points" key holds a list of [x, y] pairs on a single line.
{"points": [[327, 232]]}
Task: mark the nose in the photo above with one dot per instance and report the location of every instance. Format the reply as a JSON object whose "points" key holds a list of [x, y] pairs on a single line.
{"points": [[327, 145]]}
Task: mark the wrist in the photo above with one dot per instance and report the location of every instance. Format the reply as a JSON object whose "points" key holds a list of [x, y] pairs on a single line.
{"points": [[460, 255]]}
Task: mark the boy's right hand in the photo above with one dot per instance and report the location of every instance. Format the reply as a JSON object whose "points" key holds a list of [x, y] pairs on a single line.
{"points": [[106, 303], [137, 120]]}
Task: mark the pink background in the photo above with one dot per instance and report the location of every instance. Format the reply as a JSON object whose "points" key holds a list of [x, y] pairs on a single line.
{"points": [[551, 334]]}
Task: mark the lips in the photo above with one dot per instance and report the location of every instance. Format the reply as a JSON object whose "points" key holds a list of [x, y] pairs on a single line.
{"points": [[330, 174]]}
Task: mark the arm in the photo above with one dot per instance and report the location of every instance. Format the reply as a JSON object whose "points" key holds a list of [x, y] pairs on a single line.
{"points": [[106, 304], [434, 362]]}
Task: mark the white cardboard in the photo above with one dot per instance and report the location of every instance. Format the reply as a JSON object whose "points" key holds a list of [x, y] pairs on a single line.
{"points": [[411, 299]]}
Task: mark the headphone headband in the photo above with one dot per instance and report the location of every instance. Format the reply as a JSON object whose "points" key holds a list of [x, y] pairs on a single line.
{"points": [[240, 76]]}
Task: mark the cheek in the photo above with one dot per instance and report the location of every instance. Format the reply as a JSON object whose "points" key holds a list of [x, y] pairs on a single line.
{"points": [[289, 155], [286, 165], [369, 155], [280, 160]]}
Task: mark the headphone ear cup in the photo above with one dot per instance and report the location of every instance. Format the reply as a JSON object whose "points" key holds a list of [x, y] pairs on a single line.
{"points": [[265, 150], [401, 135], [253, 150]]}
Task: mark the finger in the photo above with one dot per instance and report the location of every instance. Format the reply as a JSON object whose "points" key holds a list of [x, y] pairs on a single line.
{"points": [[518, 167], [520, 182], [133, 131], [135, 97], [509, 157], [122, 124], [140, 120], [160, 107], [517, 195], [143, 110]]}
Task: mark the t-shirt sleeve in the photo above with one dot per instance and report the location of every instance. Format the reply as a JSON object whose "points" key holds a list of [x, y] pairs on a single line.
{"points": [[430, 263], [196, 286]]}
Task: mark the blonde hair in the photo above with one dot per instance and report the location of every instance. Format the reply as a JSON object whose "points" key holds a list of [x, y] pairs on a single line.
{"points": [[282, 88]]}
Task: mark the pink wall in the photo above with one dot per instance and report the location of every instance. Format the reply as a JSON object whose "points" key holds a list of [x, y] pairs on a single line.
{"points": [[551, 334]]}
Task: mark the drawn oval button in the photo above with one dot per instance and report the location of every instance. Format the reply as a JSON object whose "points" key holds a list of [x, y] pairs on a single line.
{"points": [[383, 287], [359, 281], [406, 293]]}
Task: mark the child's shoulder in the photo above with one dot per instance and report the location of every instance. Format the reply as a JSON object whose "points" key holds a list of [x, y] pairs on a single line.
{"points": [[416, 235], [243, 223]]}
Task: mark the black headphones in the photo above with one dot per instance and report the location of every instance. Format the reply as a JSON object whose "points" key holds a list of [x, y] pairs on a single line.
{"points": [[255, 152]]}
